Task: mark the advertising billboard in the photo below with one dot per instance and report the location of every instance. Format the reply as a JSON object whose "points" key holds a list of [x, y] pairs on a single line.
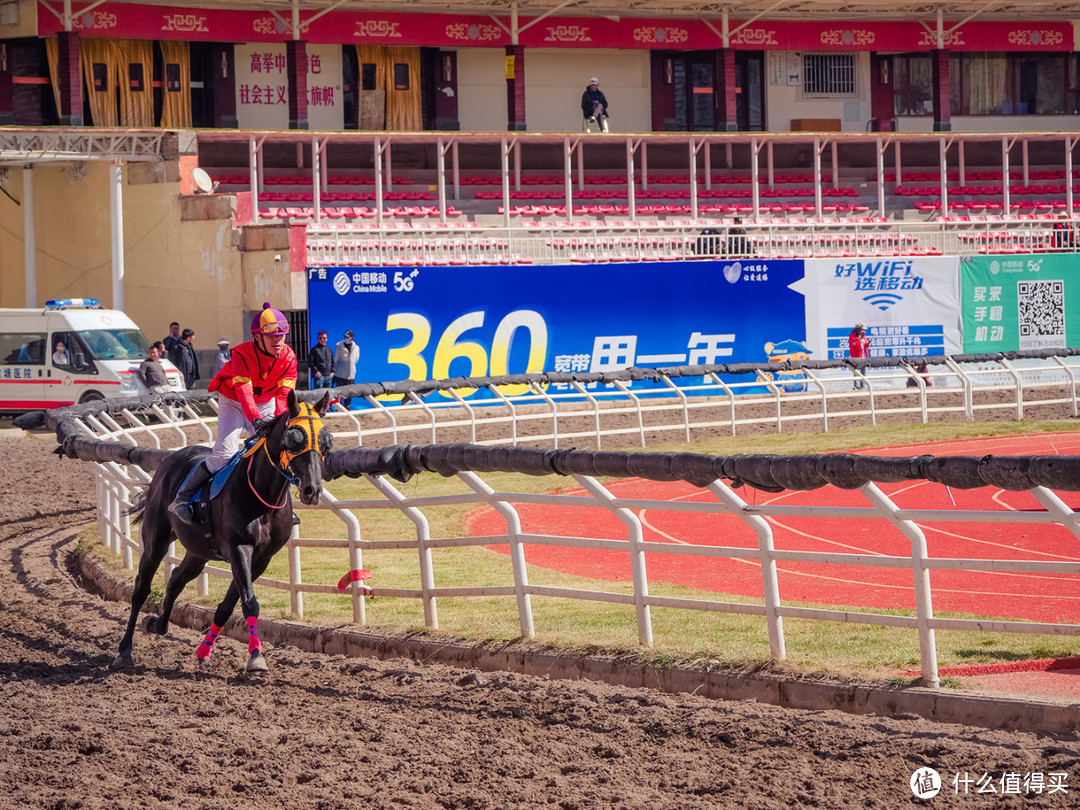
{"points": [[439, 322]]}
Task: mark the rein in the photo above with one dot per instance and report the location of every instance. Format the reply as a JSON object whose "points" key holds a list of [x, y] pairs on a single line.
{"points": [[284, 465], [292, 479]]}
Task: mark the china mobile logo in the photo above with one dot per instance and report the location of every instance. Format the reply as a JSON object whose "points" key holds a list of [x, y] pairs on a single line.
{"points": [[342, 283]]}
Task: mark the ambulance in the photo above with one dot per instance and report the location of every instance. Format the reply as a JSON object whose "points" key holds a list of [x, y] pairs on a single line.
{"points": [[72, 351]]}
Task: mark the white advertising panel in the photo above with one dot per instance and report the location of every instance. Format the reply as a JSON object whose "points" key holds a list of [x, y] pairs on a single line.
{"points": [[910, 306], [262, 86]]}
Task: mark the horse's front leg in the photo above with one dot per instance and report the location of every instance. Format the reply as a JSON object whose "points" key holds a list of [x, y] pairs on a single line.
{"points": [[221, 615], [243, 580]]}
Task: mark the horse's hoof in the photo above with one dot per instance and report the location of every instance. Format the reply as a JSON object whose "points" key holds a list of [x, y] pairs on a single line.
{"points": [[203, 665], [122, 662], [149, 624], [257, 662]]}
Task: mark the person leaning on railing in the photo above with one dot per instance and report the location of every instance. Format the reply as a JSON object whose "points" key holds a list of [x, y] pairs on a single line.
{"points": [[1064, 232]]}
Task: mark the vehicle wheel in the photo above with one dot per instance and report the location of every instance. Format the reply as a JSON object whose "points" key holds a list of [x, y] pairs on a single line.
{"points": [[91, 396]]}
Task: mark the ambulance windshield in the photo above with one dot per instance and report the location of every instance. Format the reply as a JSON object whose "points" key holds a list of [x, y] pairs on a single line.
{"points": [[116, 344]]}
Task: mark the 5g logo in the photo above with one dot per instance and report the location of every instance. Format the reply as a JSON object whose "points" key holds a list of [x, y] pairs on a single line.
{"points": [[404, 283]]}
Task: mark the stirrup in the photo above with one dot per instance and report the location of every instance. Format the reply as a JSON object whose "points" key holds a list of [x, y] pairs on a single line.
{"points": [[183, 512]]}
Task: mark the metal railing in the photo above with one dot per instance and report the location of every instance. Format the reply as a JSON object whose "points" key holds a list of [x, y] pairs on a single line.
{"points": [[675, 240], [667, 412]]}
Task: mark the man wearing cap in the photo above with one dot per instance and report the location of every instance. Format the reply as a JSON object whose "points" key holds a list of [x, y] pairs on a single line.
{"points": [[346, 356], [594, 106], [859, 346], [253, 388], [222, 355]]}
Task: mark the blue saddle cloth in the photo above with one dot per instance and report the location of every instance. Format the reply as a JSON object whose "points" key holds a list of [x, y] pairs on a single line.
{"points": [[222, 475]]}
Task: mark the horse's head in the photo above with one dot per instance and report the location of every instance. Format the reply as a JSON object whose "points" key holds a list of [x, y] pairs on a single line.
{"points": [[300, 441]]}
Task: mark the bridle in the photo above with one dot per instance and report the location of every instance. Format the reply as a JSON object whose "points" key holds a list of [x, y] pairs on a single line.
{"points": [[310, 424]]}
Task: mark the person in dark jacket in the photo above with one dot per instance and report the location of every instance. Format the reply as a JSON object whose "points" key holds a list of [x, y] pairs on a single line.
{"points": [[320, 361], [183, 357], [594, 106]]}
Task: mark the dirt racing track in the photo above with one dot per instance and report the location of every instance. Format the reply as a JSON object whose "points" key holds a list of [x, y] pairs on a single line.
{"points": [[329, 731]]}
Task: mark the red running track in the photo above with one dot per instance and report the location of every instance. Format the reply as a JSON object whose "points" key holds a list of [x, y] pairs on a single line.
{"points": [[1039, 597]]}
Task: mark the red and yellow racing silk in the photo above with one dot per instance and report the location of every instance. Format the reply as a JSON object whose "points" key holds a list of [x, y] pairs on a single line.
{"points": [[252, 378]]}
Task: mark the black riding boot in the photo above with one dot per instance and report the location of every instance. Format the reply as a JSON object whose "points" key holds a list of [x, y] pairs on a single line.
{"points": [[196, 478]]}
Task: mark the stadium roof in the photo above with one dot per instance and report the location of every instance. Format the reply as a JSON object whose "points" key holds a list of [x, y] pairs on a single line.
{"points": [[952, 11]]}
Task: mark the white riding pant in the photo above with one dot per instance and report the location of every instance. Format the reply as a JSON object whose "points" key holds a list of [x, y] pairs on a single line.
{"points": [[231, 423]]}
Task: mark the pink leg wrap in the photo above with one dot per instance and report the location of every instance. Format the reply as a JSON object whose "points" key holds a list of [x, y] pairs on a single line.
{"points": [[206, 649], [253, 635]]}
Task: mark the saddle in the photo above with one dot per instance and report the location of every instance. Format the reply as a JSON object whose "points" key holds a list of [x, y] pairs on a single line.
{"points": [[200, 501]]}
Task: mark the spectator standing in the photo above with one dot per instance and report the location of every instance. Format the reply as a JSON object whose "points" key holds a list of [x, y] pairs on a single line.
{"points": [[172, 339], [1064, 235], [594, 106], [152, 373], [859, 346], [221, 356], [346, 356], [183, 357], [320, 361]]}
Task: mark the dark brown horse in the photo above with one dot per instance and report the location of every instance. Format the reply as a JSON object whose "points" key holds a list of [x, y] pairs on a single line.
{"points": [[246, 524]]}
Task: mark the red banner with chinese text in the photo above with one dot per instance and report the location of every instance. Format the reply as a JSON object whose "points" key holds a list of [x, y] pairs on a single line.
{"points": [[455, 30]]}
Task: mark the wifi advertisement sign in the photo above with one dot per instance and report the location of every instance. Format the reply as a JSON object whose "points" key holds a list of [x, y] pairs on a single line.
{"points": [[909, 306]]}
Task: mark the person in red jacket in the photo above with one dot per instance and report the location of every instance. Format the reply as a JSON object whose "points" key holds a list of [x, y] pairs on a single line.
{"points": [[858, 346], [252, 387]]}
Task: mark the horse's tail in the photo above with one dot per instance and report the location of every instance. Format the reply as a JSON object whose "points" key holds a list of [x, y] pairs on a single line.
{"points": [[138, 508]]}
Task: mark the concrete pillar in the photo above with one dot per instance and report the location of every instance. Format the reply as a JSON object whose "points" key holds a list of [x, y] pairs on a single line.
{"points": [[296, 66], [515, 88], [942, 89], [69, 77]]}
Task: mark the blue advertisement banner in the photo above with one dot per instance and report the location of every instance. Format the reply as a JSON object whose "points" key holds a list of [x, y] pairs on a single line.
{"points": [[440, 322]]}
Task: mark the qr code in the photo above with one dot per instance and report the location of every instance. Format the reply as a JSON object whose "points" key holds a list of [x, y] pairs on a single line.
{"points": [[1040, 308]]}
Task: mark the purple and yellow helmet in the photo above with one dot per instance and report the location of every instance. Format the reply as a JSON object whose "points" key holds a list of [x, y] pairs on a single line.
{"points": [[269, 322]]}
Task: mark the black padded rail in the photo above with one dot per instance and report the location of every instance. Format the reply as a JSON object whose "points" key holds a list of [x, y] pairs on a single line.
{"points": [[771, 473], [402, 388]]}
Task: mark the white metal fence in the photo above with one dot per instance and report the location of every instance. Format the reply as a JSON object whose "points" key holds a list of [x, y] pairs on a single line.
{"points": [[548, 242], [619, 413]]}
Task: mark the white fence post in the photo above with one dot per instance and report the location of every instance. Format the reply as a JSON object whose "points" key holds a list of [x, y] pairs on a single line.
{"points": [[637, 556], [924, 609], [517, 549]]}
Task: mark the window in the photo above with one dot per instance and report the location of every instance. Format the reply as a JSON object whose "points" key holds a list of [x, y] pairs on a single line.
{"points": [[22, 348], [401, 76], [135, 77], [368, 75], [1014, 84], [913, 87], [100, 72], [829, 75]]}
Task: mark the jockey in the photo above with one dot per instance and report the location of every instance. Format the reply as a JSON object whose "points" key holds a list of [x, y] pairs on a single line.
{"points": [[253, 387]]}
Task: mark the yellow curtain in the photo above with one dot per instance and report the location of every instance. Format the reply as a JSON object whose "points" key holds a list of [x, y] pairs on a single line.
{"points": [[94, 50], [403, 105], [52, 54], [136, 106], [372, 114], [176, 101]]}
